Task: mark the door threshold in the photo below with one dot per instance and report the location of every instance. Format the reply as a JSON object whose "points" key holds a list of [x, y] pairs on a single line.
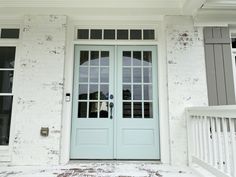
{"points": [[73, 161]]}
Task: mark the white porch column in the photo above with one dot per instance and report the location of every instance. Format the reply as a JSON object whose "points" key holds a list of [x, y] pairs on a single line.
{"points": [[38, 90], [186, 79]]}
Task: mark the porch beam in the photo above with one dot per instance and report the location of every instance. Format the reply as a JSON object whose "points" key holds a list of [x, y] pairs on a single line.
{"points": [[190, 7]]}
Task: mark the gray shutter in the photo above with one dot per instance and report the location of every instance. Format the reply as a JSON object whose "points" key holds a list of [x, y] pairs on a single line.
{"points": [[219, 69]]}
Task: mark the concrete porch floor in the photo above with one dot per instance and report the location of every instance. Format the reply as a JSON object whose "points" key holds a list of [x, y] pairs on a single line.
{"points": [[98, 169]]}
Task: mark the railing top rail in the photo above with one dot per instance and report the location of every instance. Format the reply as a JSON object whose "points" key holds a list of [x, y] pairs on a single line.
{"points": [[228, 111]]}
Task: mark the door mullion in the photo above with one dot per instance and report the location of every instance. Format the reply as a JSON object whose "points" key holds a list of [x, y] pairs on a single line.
{"points": [[132, 86]]}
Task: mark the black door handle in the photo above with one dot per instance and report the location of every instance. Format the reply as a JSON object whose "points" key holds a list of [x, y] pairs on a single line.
{"points": [[111, 107]]}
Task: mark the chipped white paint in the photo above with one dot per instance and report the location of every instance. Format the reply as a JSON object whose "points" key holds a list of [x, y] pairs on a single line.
{"points": [[186, 79], [93, 169], [38, 91]]}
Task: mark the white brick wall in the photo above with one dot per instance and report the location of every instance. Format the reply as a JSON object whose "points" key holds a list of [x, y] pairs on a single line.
{"points": [[186, 79], [38, 86], [38, 91]]}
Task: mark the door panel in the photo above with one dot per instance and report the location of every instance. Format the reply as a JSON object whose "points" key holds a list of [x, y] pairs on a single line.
{"points": [[130, 129], [92, 129], [137, 122]]}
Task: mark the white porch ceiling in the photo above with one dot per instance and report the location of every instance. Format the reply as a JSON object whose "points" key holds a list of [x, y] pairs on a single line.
{"points": [[138, 8], [103, 8], [216, 13], [94, 3], [220, 4]]}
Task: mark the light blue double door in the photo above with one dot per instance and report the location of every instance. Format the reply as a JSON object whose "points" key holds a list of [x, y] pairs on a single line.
{"points": [[115, 108]]}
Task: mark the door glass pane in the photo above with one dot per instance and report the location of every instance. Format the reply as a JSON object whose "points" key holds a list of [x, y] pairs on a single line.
{"points": [[137, 75], [83, 91], [84, 58], [135, 34], [104, 92], [137, 92], [126, 92], [96, 34], [122, 34], [147, 58], [83, 74], [137, 58], [5, 118], [148, 110], [104, 78], [127, 75], [148, 34], [147, 75], [93, 109], [82, 110], [7, 57], [137, 110], [103, 109], [93, 92], [147, 92], [94, 74], [94, 58], [126, 58], [126, 110], [109, 34], [10, 33], [82, 34], [105, 58], [6, 81]]}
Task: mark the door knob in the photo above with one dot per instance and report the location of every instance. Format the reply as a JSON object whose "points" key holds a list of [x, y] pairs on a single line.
{"points": [[111, 96]]}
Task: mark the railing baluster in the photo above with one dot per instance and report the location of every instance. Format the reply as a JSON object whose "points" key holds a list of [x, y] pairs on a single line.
{"points": [[226, 145], [233, 136], [197, 137], [214, 147], [200, 137], [209, 149], [219, 141], [205, 145]]}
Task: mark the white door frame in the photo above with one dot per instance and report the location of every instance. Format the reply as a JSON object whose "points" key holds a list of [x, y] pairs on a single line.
{"points": [[162, 83]]}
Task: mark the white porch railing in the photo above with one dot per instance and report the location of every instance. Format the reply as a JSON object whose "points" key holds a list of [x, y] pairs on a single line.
{"points": [[212, 139]]}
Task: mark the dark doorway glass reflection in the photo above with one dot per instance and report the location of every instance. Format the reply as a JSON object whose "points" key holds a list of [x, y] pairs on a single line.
{"points": [[7, 57], [126, 110], [93, 109], [82, 109], [6, 81], [5, 118]]}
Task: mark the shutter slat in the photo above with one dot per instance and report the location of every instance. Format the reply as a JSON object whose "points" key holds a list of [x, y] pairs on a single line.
{"points": [[220, 76], [211, 75], [229, 77]]}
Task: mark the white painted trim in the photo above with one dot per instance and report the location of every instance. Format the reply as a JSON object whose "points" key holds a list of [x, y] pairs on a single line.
{"points": [[9, 42], [4, 154], [209, 168], [162, 77], [233, 52], [5, 151], [18, 43], [217, 111], [6, 94], [163, 96], [68, 88]]}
